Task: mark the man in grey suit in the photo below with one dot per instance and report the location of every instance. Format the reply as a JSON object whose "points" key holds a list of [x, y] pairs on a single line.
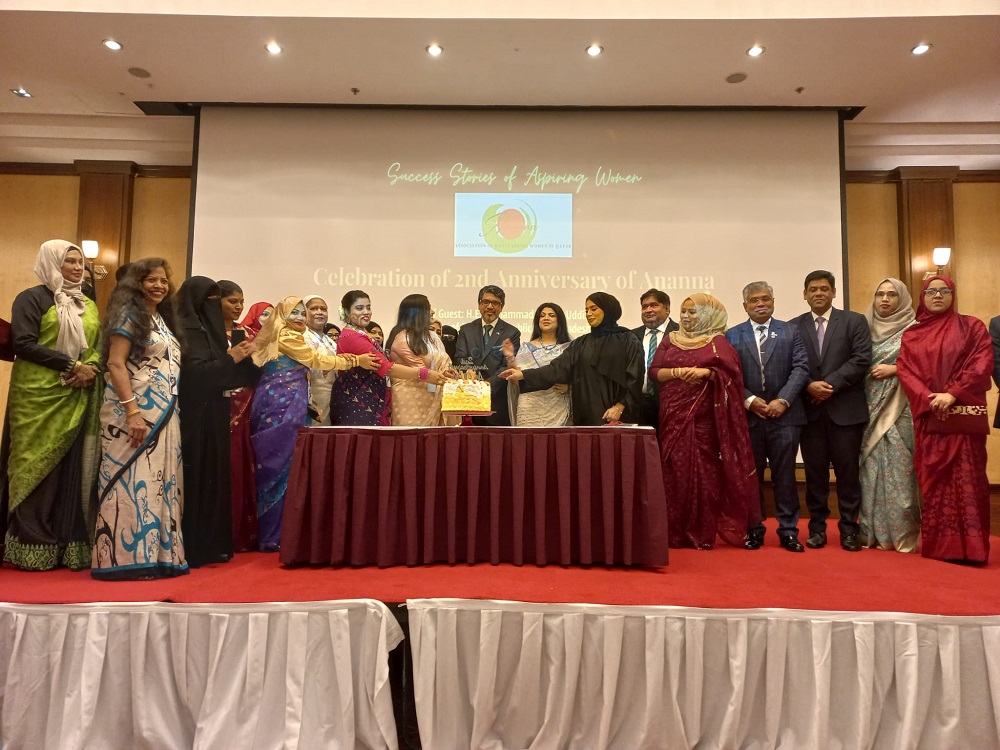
{"points": [[995, 335], [478, 347], [775, 370], [656, 325], [839, 346]]}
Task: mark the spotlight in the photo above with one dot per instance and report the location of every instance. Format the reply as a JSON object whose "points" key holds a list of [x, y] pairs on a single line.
{"points": [[594, 50], [921, 49], [435, 50], [755, 51], [21, 92], [274, 48], [112, 45]]}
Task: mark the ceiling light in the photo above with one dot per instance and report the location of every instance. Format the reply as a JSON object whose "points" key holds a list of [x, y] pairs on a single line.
{"points": [[920, 49], [274, 48], [435, 50], [112, 45], [21, 92], [594, 50], [755, 51]]}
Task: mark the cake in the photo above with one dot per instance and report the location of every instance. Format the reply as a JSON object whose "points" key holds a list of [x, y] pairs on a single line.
{"points": [[467, 395]]}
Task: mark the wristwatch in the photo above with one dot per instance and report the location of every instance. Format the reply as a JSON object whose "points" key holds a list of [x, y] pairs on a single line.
{"points": [[787, 405]]}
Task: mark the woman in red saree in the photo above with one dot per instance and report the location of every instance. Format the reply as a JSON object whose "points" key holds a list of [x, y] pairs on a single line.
{"points": [[708, 465], [945, 363]]}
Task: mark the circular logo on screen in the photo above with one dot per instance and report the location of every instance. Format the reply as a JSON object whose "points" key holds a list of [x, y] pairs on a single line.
{"points": [[509, 229]]}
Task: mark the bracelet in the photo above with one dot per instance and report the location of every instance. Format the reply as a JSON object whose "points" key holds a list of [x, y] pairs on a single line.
{"points": [[134, 413], [423, 373], [127, 401], [71, 366]]}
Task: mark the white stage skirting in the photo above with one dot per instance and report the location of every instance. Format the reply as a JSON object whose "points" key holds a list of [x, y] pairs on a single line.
{"points": [[493, 675], [149, 675]]}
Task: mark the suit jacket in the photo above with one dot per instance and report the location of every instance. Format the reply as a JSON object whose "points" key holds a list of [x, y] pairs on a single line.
{"points": [[640, 334], [785, 367], [995, 335], [846, 359], [488, 360]]}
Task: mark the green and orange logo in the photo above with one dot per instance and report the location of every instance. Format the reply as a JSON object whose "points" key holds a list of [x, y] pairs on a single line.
{"points": [[509, 230]]}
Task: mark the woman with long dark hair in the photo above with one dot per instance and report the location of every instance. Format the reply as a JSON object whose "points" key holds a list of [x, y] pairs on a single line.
{"points": [[47, 470], [603, 368], [549, 338], [412, 343], [140, 482]]}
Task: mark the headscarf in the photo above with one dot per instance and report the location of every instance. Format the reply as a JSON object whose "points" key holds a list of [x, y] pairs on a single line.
{"points": [[68, 296], [926, 317], [711, 322], [196, 311], [884, 328], [251, 320], [267, 339], [612, 312]]}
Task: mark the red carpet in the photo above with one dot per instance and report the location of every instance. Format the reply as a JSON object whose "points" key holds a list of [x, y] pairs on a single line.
{"points": [[726, 578]]}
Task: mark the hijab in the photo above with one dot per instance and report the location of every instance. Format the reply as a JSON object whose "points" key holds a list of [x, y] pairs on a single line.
{"points": [[885, 327], [612, 312], [251, 320], [196, 311], [68, 297], [710, 322], [267, 339]]}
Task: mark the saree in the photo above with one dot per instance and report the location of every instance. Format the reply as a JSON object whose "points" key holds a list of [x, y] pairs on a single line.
{"points": [[360, 398], [241, 470], [548, 408], [321, 381], [138, 530], [890, 498], [51, 445], [953, 353], [413, 403]]}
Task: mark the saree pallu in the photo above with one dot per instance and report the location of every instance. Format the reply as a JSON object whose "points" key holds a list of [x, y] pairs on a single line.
{"points": [[280, 403], [241, 468], [140, 489], [548, 408], [890, 497], [708, 467], [359, 397], [52, 461]]}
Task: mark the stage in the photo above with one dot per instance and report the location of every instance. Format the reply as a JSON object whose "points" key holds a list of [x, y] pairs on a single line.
{"points": [[723, 648]]}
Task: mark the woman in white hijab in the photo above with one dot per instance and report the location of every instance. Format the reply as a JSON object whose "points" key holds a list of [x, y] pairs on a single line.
{"points": [[48, 473], [890, 497]]}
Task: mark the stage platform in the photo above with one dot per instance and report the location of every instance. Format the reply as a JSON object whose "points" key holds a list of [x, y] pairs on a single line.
{"points": [[723, 648]]}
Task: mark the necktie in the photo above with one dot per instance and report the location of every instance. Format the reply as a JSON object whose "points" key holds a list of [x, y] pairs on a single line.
{"points": [[820, 331], [650, 350], [761, 348], [486, 338]]}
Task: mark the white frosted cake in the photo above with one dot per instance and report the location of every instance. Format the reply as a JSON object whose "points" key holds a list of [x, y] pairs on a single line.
{"points": [[467, 395]]}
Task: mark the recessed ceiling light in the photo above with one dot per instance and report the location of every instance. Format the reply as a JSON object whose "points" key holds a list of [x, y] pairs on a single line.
{"points": [[435, 50], [274, 48], [112, 45], [594, 50], [755, 51], [21, 92], [920, 49]]}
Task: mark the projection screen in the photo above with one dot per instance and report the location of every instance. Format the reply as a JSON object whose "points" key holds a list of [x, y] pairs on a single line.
{"points": [[550, 205]]}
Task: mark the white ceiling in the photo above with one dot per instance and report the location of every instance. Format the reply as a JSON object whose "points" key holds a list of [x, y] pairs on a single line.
{"points": [[939, 109]]}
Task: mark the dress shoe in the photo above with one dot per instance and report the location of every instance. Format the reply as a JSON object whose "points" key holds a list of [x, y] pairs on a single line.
{"points": [[816, 540], [754, 541], [850, 542], [792, 544]]}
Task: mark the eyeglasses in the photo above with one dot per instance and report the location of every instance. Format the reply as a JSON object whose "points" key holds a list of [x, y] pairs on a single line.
{"points": [[931, 293], [491, 303], [886, 295], [755, 300]]}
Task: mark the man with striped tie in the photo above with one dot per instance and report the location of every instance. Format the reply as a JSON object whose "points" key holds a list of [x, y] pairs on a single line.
{"points": [[775, 370], [656, 324]]}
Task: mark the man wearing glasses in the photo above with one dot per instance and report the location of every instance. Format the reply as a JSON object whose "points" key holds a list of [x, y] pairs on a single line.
{"points": [[478, 348], [839, 346]]}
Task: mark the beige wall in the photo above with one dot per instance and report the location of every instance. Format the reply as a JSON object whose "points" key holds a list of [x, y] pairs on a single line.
{"points": [[160, 212], [872, 240], [33, 209]]}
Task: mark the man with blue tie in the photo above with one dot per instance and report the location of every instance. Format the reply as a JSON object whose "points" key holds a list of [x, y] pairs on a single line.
{"points": [[656, 325], [775, 370]]}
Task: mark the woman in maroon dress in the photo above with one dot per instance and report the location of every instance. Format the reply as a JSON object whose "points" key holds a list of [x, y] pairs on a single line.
{"points": [[708, 465], [944, 365]]}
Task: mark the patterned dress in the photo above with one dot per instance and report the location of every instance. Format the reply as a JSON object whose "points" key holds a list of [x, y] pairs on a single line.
{"points": [[548, 408], [360, 398], [890, 497], [140, 489]]}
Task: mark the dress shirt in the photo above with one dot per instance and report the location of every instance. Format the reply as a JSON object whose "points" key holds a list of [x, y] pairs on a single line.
{"points": [[756, 338], [660, 333]]}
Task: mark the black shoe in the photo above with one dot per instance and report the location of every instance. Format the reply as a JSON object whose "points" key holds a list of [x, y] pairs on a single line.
{"points": [[850, 542], [792, 544], [816, 540], [754, 541]]}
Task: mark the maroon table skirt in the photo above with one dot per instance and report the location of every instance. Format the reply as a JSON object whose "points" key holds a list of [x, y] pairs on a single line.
{"points": [[416, 496]]}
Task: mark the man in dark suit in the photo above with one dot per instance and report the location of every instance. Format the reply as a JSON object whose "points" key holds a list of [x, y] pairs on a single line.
{"points": [[656, 325], [995, 335], [775, 370], [839, 346], [478, 347]]}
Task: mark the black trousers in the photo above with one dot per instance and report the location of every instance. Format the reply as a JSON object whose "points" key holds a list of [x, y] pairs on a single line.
{"points": [[776, 442], [824, 443]]}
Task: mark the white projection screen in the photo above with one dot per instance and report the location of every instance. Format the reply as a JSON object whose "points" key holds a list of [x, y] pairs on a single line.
{"points": [[550, 205]]}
